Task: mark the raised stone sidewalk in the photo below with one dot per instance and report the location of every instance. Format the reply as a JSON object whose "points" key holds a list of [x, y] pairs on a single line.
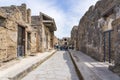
{"points": [[24, 66], [90, 69]]}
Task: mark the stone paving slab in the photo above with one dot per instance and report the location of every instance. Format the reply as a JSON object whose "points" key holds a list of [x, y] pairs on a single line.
{"points": [[57, 67], [91, 69], [25, 65]]}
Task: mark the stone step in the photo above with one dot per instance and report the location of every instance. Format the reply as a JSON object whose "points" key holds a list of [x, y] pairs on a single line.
{"points": [[25, 66]]}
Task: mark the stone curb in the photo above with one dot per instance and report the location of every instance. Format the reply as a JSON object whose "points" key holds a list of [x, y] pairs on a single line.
{"points": [[76, 67], [81, 75], [86, 71], [23, 73]]}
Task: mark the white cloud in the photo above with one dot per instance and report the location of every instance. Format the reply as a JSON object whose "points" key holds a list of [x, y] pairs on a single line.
{"points": [[65, 19], [50, 8]]}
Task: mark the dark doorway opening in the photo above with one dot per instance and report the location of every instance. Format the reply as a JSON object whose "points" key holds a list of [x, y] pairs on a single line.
{"points": [[28, 41], [107, 45], [46, 40], [21, 41]]}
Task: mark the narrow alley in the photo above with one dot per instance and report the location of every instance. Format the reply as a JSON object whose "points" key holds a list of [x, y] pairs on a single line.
{"points": [[58, 67]]}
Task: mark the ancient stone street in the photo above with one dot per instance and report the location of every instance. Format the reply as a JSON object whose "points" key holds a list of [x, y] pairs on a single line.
{"points": [[60, 40], [58, 67]]}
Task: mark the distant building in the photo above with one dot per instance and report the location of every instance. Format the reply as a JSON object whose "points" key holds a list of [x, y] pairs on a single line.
{"points": [[64, 42]]}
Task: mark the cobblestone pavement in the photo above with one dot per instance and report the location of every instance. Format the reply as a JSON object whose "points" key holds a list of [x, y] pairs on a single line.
{"points": [[58, 67]]}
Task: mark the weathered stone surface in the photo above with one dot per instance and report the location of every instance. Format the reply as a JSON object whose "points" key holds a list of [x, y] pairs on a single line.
{"points": [[56, 41], [2, 12], [45, 32], [74, 34], [96, 35], [116, 27], [37, 35], [92, 26], [18, 38], [48, 27], [3, 44], [34, 42], [10, 18]]}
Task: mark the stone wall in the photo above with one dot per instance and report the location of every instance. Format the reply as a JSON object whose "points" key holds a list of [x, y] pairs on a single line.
{"points": [[88, 42], [35, 23], [74, 34], [21, 34], [23, 9], [44, 34], [8, 33], [48, 27], [11, 17], [90, 39], [3, 41], [116, 27], [56, 41], [46, 40], [94, 29], [34, 43]]}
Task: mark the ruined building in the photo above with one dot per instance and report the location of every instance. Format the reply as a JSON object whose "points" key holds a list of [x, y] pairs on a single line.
{"points": [[64, 42], [45, 26], [98, 32], [48, 28], [14, 26], [21, 34]]}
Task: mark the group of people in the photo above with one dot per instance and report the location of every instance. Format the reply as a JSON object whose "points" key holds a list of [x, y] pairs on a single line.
{"points": [[58, 47]]}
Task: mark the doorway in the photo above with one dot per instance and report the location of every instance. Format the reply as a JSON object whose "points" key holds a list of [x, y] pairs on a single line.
{"points": [[28, 41], [107, 48], [21, 41], [47, 42]]}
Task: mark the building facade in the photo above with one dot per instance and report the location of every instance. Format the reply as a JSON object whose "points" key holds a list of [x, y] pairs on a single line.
{"points": [[37, 34], [22, 34], [64, 42], [48, 27], [45, 27], [14, 26], [98, 32]]}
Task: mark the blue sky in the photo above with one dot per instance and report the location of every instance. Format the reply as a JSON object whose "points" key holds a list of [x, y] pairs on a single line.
{"points": [[66, 13]]}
